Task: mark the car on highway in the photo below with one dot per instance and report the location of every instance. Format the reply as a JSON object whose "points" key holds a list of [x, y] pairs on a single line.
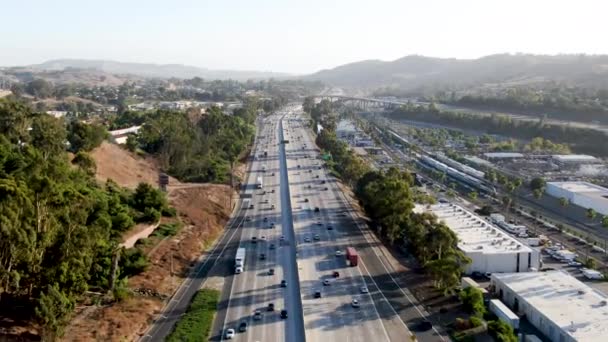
{"points": [[317, 237], [283, 283], [257, 315], [229, 334], [283, 314], [243, 326], [306, 239], [270, 307], [271, 271], [364, 289], [355, 303], [424, 325], [339, 253], [326, 282]]}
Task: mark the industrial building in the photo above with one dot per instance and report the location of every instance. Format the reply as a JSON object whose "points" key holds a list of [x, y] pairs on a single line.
{"points": [[560, 306], [503, 155], [583, 194], [565, 159], [491, 250]]}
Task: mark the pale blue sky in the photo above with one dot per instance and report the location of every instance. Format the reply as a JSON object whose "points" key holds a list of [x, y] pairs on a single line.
{"points": [[293, 36]]}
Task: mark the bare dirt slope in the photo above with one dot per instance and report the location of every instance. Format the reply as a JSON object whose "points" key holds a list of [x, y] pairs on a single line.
{"points": [[125, 168]]}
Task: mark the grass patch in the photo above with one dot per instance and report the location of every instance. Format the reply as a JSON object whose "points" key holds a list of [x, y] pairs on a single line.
{"points": [[167, 229], [195, 324]]}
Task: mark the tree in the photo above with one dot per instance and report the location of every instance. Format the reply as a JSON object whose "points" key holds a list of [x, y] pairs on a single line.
{"points": [[538, 183], [40, 88], [52, 311], [591, 214], [501, 331], [84, 136], [605, 221], [563, 201], [472, 300], [85, 162], [473, 195], [538, 193]]}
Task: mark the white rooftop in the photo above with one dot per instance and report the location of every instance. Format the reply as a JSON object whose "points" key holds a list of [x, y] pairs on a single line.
{"points": [[579, 310], [573, 157], [503, 155], [474, 233], [583, 188]]}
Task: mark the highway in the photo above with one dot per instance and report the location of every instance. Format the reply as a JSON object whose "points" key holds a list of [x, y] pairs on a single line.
{"points": [[299, 243], [269, 224]]}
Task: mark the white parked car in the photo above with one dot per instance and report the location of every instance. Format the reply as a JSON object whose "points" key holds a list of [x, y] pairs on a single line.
{"points": [[364, 289], [355, 303], [338, 253]]}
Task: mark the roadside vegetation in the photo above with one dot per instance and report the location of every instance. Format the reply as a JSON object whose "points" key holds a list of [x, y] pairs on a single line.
{"points": [[60, 230], [583, 140], [195, 324], [202, 150], [388, 198]]}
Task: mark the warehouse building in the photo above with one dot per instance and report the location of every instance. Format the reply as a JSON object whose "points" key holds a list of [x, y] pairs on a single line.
{"points": [[583, 194], [565, 159], [491, 250], [560, 306], [503, 155]]}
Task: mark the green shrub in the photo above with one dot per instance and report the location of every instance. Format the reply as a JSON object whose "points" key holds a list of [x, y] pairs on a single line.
{"points": [[133, 262], [501, 331], [167, 229], [475, 321], [169, 212]]}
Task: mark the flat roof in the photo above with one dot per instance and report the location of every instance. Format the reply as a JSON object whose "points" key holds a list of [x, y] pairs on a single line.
{"points": [[503, 155], [583, 188], [475, 235], [579, 310], [573, 157], [477, 160]]}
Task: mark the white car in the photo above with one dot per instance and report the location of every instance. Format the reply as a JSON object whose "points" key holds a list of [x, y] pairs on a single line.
{"points": [[229, 334], [364, 289], [338, 253], [257, 315], [326, 282], [238, 270], [307, 239], [355, 303]]}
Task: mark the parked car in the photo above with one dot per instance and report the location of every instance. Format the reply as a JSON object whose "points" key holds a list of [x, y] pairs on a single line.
{"points": [[257, 315], [317, 294], [364, 289], [243, 326], [326, 282], [283, 283], [271, 271], [336, 274], [355, 303], [283, 314], [270, 307]]}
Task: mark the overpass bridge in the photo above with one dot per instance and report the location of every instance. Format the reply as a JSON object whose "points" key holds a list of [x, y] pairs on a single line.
{"points": [[362, 102]]}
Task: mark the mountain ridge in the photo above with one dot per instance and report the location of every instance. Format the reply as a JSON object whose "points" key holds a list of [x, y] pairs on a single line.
{"points": [[152, 69]]}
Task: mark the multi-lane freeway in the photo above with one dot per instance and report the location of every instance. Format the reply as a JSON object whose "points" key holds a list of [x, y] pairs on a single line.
{"points": [[295, 225]]}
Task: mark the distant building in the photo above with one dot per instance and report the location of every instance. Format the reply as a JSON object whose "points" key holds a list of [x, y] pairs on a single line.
{"points": [[491, 250], [503, 155], [57, 113], [120, 136], [560, 306], [574, 159], [583, 194]]}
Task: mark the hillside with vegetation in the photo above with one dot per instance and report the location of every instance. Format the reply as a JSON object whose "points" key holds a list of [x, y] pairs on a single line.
{"points": [[60, 228], [419, 74]]}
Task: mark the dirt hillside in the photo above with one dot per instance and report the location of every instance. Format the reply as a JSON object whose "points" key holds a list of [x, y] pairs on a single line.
{"points": [[204, 209], [125, 168]]}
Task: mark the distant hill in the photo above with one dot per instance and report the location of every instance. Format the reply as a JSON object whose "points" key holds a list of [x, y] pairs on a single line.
{"points": [[151, 70], [412, 72]]}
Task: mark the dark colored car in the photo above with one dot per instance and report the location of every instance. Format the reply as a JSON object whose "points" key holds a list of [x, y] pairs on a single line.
{"points": [[317, 209], [283, 283], [270, 307], [283, 314], [425, 325], [336, 274], [317, 294], [243, 326], [262, 256]]}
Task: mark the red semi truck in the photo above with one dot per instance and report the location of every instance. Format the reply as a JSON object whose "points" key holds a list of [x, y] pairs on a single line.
{"points": [[352, 256]]}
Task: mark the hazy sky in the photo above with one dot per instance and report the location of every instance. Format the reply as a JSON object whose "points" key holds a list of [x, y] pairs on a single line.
{"points": [[294, 36]]}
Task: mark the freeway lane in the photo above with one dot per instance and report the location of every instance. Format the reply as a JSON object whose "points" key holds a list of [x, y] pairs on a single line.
{"points": [[331, 317]]}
